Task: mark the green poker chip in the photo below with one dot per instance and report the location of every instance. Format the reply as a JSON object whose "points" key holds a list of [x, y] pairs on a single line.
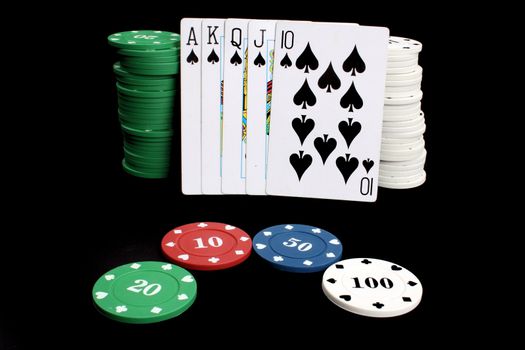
{"points": [[151, 107], [144, 40], [149, 60], [145, 174], [146, 291], [148, 101], [147, 133], [122, 73], [153, 72], [127, 64], [146, 116], [151, 99], [147, 153], [148, 86], [148, 168], [140, 147], [145, 94], [144, 160], [144, 107], [146, 125], [171, 52]]}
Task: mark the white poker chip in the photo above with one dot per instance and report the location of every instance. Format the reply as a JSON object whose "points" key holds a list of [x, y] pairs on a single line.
{"points": [[401, 173], [401, 156], [399, 179], [402, 46], [400, 117], [417, 73], [404, 100], [420, 159], [392, 128], [407, 135], [372, 287], [389, 141], [400, 83], [402, 70], [393, 109], [399, 147], [401, 94], [398, 58], [405, 122], [390, 90], [396, 168], [404, 185], [401, 64]]}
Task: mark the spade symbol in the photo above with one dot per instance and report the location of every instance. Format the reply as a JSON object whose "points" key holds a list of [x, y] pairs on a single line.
{"points": [[303, 127], [259, 60], [213, 58], [325, 146], [354, 63], [304, 96], [307, 60], [346, 166], [368, 164], [300, 163], [192, 58], [349, 130], [286, 62], [351, 99], [236, 59], [329, 80]]}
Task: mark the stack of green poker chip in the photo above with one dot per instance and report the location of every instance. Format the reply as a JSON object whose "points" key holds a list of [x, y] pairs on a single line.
{"points": [[146, 87]]}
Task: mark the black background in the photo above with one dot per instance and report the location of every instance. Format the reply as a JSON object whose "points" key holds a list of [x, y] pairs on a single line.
{"points": [[88, 216]]}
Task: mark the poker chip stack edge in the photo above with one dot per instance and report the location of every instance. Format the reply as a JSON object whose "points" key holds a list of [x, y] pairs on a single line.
{"points": [[403, 151], [146, 87]]}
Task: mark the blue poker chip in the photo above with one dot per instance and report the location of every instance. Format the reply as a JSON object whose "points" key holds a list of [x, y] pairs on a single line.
{"points": [[298, 248]]}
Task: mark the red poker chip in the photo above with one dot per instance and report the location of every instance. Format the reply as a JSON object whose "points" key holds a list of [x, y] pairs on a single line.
{"points": [[207, 246]]}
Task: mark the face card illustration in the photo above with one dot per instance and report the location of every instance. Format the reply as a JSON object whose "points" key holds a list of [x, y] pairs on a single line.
{"points": [[190, 83], [327, 109], [261, 45], [235, 104], [211, 103]]}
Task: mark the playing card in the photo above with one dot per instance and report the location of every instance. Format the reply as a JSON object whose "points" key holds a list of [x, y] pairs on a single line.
{"points": [[234, 109], [211, 103], [327, 107], [261, 44], [190, 83]]}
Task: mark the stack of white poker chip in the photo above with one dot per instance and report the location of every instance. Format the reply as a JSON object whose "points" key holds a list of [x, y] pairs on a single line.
{"points": [[403, 151]]}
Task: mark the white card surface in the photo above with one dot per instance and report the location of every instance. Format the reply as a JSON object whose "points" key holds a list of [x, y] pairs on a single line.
{"points": [[234, 109], [190, 92], [261, 44], [211, 103], [327, 107]]}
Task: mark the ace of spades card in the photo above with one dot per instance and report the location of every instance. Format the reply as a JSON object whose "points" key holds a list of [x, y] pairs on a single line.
{"points": [[191, 105], [327, 110]]}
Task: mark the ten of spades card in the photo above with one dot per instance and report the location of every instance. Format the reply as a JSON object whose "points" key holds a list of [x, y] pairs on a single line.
{"points": [[211, 104], [190, 29], [235, 106], [327, 108], [261, 44]]}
